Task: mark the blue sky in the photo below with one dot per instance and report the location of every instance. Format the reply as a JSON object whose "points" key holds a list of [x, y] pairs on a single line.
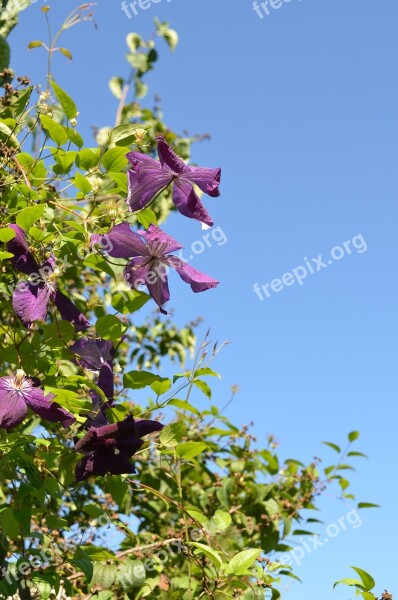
{"points": [[302, 109]]}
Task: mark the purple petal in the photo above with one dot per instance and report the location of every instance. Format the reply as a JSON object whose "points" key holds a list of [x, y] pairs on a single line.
{"points": [[121, 242], [159, 242], [23, 259], [188, 203], [208, 180], [103, 462], [69, 312], [13, 408], [93, 353], [46, 408], [146, 179], [30, 302], [198, 281], [105, 381], [169, 158], [154, 276], [145, 427]]}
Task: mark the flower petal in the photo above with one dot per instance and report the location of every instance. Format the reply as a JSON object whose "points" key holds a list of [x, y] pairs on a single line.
{"points": [[46, 408], [121, 242], [69, 312], [145, 180], [154, 276], [169, 158], [30, 302], [103, 462], [13, 408], [23, 259], [198, 281], [159, 242], [208, 180], [188, 203], [145, 427], [93, 353]]}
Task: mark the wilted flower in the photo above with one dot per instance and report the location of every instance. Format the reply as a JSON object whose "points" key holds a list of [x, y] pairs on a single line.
{"points": [[31, 298], [150, 256], [109, 449], [18, 393], [148, 177]]}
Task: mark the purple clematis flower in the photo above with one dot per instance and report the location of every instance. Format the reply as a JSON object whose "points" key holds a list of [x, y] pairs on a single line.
{"points": [[109, 449], [150, 256], [31, 298], [148, 177], [18, 393], [97, 355]]}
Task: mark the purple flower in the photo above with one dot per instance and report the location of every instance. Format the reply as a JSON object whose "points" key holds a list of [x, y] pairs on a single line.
{"points": [[31, 298], [150, 256], [109, 449], [148, 177], [97, 355], [18, 393]]}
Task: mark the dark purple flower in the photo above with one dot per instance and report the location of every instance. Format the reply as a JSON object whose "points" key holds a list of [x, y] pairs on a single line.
{"points": [[109, 449], [97, 355], [148, 177], [18, 393], [31, 297], [149, 253]]}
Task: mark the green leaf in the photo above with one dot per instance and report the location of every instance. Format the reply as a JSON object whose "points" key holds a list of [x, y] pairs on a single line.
{"points": [[115, 160], [69, 107], [183, 405], [98, 553], [147, 217], [172, 434], [368, 505], [204, 387], [88, 158], [66, 53], [82, 184], [333, 446], [126, 133], [110, 327], [136, 380], [28, 216], [354, 435], [5, 255], [85, 566], [241, 562], [116, 86], [350, 582], [211, 554], [55, 131], [189, 450], [367, 580], [35, 44], [222, 520], [129, 302], [133, 41], [161, 386]]}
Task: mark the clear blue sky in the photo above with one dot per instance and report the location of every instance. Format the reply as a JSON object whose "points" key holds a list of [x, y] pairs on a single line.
{"points": [[302, 108]]}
